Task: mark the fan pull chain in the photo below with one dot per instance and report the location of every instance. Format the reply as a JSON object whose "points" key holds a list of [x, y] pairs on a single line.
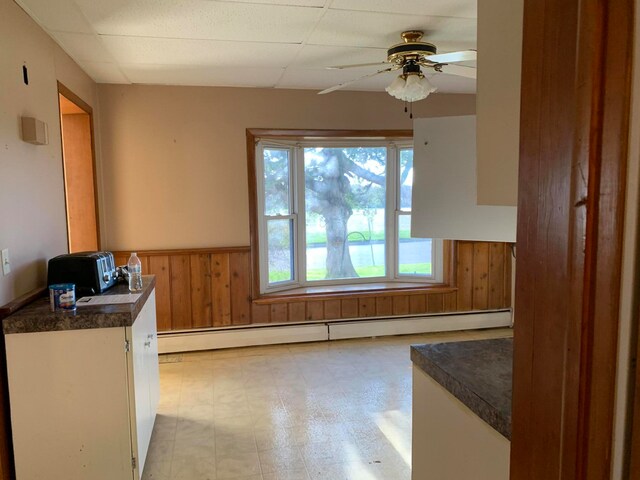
{"points": [[411, 110], [405, 106]]}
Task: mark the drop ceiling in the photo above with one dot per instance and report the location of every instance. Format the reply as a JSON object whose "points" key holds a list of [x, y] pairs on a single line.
{"points": [[250, 43]]}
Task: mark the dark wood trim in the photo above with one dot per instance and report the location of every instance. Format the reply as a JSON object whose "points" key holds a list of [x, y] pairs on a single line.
{"points": [[183, 251], [573, 148], [21, 301], [301, 134], [66, 92], [389, 291], [69, 95], [253, 212]]}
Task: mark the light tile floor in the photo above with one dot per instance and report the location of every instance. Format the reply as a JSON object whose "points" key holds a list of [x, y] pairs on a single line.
{"points": [[336, 410]]}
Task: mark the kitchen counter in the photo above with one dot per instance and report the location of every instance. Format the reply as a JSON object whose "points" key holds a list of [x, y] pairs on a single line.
{"points": [[478, 373], [462, 410], [38, 317]]}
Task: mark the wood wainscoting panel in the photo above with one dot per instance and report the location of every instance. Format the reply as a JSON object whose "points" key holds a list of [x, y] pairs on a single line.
{"points": [[240, 271], [181, 310], [201, 290], [220, 289], [210, 288]]}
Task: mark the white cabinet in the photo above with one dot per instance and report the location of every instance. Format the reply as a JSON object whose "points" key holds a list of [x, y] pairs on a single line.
{"points": [[83, 402]]}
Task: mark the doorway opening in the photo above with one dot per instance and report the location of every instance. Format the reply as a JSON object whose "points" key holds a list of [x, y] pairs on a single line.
{"points": [[78, 158]]}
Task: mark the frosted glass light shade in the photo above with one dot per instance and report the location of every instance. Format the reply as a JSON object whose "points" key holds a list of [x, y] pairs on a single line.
{"points": [[414, 88]]}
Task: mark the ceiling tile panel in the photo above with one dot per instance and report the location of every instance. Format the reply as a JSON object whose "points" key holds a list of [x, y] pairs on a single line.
{"points": [[452, 83], [83, 47], [201, 19], [202, 75], [367, 29], [319, 78], [61, 15], [162, 51], [104, 72], [327, 56], [441, 8]]}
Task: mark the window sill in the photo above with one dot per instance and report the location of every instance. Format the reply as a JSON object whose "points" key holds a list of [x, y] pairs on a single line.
{"points": [[330, 292]]}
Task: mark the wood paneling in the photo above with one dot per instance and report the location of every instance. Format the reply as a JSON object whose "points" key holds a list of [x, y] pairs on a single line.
{"points": [[278, 312], [349, 308], [180, 292], [384, 306], [297, 311], [161, 268], [332, 309], [239, 269], [210, 288], [401, 305], [201, 290], [220, 289], [480, 276], [367, 307], [464, 269], [315, 310]]}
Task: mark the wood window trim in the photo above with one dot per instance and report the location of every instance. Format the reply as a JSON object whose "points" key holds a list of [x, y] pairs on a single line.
{"points": [[292, 134]]}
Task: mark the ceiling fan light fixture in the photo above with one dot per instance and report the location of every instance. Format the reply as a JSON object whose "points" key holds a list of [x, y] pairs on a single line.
{"points": [[410, 88], [397, 87]]}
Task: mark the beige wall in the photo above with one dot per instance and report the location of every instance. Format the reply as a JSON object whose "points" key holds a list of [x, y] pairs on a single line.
{"points": [[499, 65], [33, 224], [175, 163]]}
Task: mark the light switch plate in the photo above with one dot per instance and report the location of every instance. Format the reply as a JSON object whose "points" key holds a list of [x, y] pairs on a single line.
{"points": [[6, 263]]}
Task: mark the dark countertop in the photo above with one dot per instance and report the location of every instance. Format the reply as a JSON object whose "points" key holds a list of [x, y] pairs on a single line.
{"points": [[38, 317], [478, 373]]}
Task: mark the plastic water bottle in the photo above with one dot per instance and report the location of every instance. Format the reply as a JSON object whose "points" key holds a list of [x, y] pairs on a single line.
{"points": [[135, 273]]}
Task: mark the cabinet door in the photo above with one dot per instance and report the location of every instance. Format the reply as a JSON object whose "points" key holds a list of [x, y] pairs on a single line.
{"points": [[153, 370], [144, 416]]}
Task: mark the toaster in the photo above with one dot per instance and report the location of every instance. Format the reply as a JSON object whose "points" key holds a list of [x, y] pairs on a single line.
{"points": [[91, 272]]}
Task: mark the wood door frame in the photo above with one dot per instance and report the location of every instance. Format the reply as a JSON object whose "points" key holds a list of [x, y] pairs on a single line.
{"points": [[573, 149], [69, 95]]}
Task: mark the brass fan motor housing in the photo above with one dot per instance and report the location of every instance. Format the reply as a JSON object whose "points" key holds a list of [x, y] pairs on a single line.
{"points": [[410, 49]]}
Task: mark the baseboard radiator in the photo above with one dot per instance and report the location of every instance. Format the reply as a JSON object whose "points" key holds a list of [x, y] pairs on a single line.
{"points": [[272, 334]]}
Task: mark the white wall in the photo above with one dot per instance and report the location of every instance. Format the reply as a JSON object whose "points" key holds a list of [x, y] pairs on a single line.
{"points": [[33, 222], [444, 189]]}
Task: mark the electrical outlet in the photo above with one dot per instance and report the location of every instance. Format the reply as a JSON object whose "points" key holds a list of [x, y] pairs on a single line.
{"points": [[6, 263]]}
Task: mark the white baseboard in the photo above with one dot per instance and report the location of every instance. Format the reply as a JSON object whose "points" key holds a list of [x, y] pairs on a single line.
{"points": [[428, 324], [242, 337], [314, 332]]}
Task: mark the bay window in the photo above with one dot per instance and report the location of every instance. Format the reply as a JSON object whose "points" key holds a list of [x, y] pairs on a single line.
{"points": [[338, 211]]}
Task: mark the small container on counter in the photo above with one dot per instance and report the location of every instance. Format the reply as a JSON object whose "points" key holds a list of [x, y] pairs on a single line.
{"points": [[62, 297]]}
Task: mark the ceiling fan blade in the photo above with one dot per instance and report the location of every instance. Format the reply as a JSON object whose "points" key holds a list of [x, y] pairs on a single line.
{"points": [[341, 67], [459, 70], [342, 85], [454, 57]]}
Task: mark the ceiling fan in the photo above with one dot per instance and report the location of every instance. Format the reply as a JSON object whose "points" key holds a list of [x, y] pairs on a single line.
{"points": [[411, 56]]}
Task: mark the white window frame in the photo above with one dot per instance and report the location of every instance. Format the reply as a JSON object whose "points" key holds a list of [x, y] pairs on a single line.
{"points": [[297, 215]]}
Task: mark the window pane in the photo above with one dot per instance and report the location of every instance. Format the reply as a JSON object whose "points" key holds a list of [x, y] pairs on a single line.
{"points": [[280, 251], [414, 254], [406, 178], [345, 211], [276, 182]]}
